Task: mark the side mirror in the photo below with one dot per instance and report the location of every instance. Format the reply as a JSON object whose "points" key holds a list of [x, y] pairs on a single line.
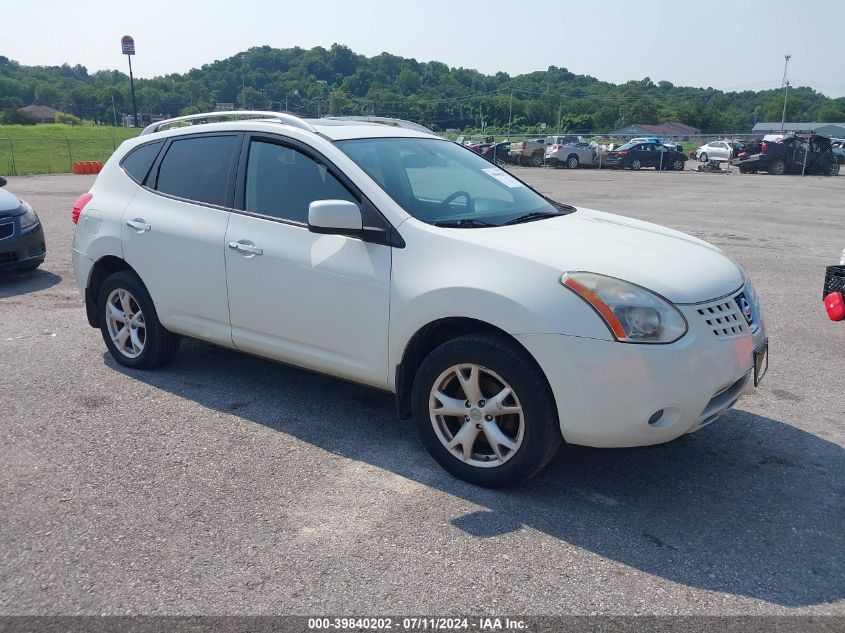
{"points": [[335, 217], [2, 181]]}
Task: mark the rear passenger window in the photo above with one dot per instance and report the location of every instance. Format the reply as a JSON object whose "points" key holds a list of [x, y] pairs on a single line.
{"points": [[281, 182], [138, 162], [197, 168]]}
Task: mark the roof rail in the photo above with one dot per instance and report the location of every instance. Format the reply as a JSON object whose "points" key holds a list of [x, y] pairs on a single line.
{"points": [[384, 120], [214, 117]]}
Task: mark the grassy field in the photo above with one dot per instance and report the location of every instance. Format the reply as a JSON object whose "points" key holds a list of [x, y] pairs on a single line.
{"points": [[49, 149]]}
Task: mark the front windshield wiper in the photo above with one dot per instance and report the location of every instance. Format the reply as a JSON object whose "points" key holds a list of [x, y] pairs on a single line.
{"points": [[534, 215], [463, 223]]}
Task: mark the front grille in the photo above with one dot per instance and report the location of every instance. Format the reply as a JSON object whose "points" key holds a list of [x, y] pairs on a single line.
{"points": [[724, 318], [8, 258], [6, 230]]}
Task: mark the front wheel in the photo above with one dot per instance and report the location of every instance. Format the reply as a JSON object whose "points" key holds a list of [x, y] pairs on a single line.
{"points": [[677, 164], [537, 159], [130, 326], [703, 157], [484, 410]]}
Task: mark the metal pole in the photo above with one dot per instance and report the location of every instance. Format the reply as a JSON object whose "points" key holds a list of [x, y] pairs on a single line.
{"points": [[510, 113], [69, 155], [783, 83], [806, 149], [12, 152], [113, 111], [132, 88], [783, 116]]}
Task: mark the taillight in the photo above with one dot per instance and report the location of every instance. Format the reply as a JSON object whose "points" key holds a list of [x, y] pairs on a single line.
{"points": [[764, 147], [80, 203], [622, 153], [835, 306], [522, 145], [556, 147]]}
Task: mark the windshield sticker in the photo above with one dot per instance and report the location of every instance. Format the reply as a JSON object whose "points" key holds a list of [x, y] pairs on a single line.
{"points": [[503, 177]]}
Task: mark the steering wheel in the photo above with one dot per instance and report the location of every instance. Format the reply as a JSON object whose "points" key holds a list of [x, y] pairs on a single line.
{"points": [[459, 194]]}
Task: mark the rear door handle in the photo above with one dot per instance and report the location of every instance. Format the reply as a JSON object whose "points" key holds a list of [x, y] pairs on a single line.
{"points": [[138, 224], [246, 247]]}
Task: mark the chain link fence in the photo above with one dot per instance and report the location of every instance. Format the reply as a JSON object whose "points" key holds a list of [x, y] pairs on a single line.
{"points": [[20, 157]]}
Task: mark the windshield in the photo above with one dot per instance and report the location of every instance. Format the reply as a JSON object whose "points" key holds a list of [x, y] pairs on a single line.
{"points": [[442, 183]]}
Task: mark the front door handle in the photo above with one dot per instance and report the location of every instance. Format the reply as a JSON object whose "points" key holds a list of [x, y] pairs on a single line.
{"points": [[246, 247], [138, 224]]}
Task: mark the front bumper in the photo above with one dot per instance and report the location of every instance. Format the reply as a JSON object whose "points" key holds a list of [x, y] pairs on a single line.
{"points": [[606, 391], [22, 248]]}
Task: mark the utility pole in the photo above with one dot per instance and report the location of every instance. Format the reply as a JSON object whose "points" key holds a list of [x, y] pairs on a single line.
{"points": [[510, 114], [784, 83], [559, 109], [113, 111]]}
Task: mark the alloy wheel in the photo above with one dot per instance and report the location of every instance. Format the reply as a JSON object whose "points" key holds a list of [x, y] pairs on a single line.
{"points": [[125, 323], [476, 415]]}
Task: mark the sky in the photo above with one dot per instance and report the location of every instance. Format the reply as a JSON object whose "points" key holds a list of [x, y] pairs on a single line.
{"points": [[725, 44]]}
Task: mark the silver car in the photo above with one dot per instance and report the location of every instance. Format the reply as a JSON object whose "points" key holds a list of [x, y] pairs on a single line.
{"points": [[716, 150]]}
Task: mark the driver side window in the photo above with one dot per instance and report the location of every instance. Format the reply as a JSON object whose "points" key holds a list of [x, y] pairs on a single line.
{"points": [[281, 182]]}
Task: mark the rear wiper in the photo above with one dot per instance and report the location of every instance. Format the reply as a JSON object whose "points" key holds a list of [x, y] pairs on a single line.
{"points": [[463, 223], [534, 215]]}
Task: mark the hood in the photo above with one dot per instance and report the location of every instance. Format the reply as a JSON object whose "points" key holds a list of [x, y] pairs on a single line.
{"points": [[9, 203], [682, 268]]}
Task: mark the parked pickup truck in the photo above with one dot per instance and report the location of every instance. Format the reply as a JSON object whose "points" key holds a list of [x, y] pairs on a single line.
{"points": [[530, 152], [778, 155]]}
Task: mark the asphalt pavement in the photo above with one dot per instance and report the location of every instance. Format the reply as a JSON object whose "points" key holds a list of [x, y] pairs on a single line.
{"points": [[227, 484]]}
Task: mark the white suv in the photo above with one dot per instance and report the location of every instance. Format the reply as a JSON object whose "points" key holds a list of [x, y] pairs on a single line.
{"points": [[503, 321]]}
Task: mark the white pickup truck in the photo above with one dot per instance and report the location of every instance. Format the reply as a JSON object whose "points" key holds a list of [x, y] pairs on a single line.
{"points": [[528, 152]]}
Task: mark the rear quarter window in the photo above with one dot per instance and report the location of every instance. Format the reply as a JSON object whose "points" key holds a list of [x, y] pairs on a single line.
{"points": [[197, 169], [137, 163]]}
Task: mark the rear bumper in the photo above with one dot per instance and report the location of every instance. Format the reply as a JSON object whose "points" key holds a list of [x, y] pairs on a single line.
{"points": [[22, 249]]}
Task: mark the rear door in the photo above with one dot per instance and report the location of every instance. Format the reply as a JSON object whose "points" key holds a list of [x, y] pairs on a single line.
{"points": [[174, 230], [316, 301]]}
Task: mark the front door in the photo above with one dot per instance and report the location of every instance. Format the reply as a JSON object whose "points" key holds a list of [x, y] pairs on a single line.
{"points": [[316, 301]]}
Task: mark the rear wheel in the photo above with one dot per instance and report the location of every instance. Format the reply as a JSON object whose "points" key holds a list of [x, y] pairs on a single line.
{"points": [[572, 161], [130, 326], [636, 164], [834, 169], [484, 410], [777, 167]]}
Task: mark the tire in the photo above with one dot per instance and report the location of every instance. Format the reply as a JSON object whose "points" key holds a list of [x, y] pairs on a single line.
{"points": [[743, 169], [777, 167], [678, 164], [498, 363], [537, 159], [702, 157], [636, 164], [157, 345], [572, 161], [834, 169]]}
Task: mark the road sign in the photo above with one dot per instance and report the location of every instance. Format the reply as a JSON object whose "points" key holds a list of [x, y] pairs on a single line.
{"points": [[127, 44]]}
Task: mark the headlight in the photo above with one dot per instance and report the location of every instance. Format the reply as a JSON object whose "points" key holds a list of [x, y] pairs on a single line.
{"points": [[632, 313], [29, 218]]}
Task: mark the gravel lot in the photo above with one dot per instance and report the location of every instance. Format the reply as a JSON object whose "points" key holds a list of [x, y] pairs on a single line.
{"points": [[228, 484]]}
